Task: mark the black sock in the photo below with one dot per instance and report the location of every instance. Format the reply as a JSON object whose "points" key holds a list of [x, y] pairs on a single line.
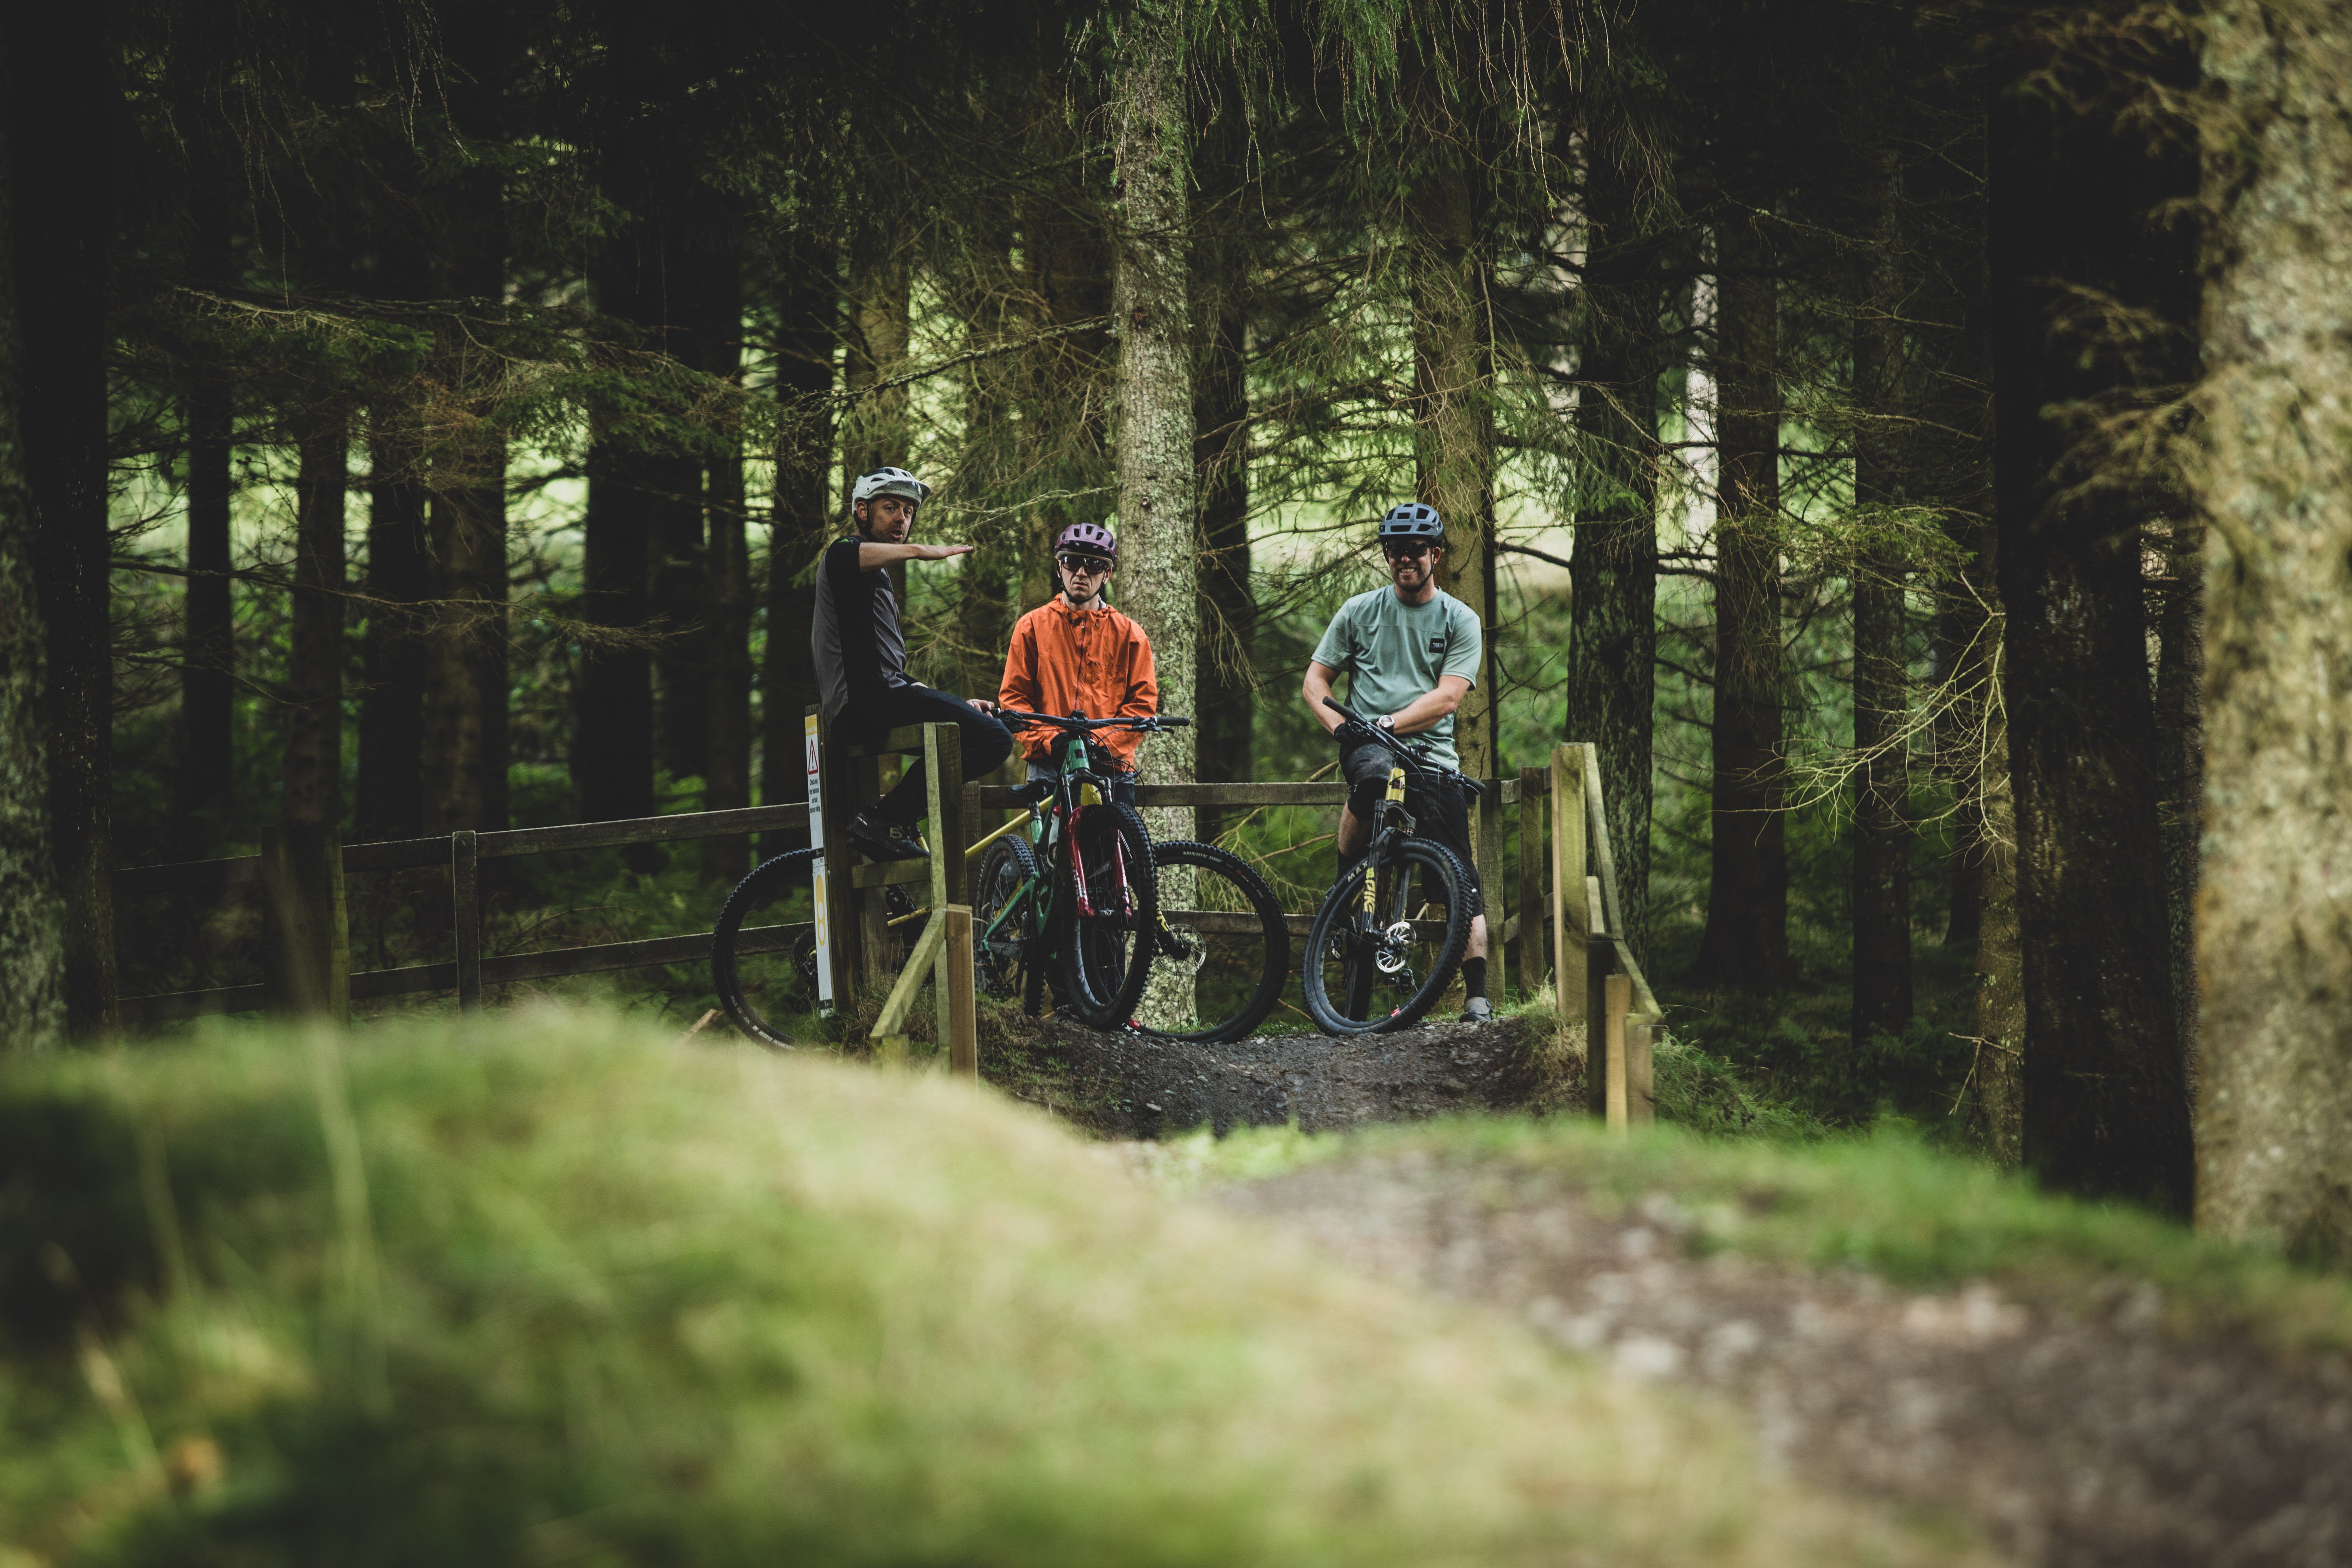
{"points": [[1473, 978]]}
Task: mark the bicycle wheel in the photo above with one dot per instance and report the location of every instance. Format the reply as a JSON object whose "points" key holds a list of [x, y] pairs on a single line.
{"points": [[1366, 973], [1229, 936], [1107, 934], [1004, 918], [763, 955]]}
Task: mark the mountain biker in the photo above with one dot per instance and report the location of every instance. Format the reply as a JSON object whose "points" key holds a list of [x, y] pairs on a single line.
{"points": [[861, 658], [1411, 651], [1074, 655]]}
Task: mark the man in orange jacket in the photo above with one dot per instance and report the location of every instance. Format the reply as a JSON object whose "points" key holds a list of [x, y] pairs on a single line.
{"points": [[1075, 655]]}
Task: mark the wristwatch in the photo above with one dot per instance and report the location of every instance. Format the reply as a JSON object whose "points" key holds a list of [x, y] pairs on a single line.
{"points": [[1385, 721]]}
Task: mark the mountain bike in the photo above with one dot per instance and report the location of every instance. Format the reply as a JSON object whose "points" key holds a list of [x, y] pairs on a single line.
{"points": [[763, 953], [1037, 907], [1392, 932]]}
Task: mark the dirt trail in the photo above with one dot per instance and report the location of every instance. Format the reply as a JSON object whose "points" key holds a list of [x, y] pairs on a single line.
{"points": [[1144, 1088], [2065, 1441]]}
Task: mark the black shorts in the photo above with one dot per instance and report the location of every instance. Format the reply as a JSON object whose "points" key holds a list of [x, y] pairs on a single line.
{"points": [[1440, 814]]}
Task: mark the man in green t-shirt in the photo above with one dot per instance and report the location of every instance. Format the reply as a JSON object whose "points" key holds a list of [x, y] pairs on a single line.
{"points": [[1412, 651]]}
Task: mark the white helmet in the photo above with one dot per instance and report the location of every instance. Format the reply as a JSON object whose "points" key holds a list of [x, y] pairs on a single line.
{"points": [[889, 483]]}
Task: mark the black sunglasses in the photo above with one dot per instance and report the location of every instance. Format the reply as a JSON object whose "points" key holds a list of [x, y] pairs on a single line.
{"points": [[1404, 552], [1085, 563]]}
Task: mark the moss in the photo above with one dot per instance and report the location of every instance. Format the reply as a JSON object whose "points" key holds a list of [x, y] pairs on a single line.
{"points": [[593, 1294]]}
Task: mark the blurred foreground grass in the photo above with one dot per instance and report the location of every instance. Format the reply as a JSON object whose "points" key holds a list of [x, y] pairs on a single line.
{"points": [[546, 1288], [1886, 1201]]}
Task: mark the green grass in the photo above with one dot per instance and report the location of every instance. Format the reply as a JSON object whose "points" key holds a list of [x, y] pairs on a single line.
{"points": [[1887, 1202], [550, 1287]]}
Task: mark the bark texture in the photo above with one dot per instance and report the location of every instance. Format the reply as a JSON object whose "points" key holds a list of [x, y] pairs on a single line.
{"points": [[1746, 938], [808, 308], [313, 772], [1228, 609], [1158, 575], [32, 952], [391, 782], [1452, 380], [726, 784], [2274, 929], [58, 103], [2071, 200], [1613, 630]]}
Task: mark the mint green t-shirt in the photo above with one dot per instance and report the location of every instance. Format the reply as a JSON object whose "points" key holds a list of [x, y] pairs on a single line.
{"points": [[1395, 652]]}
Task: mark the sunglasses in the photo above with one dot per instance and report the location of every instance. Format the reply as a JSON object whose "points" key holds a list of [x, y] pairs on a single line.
{"points": [[1404, 552], [1088, 563]]}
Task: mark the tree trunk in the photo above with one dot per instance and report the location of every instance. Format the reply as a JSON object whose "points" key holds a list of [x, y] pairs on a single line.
{"points": [[1221, 449], [612, 713], [1883, 471], [1155, 433], [59, 109], [1453, 384], [808, 313], [2273, 943], [1746, 938], [313, 775], [208, 647], [727, 785], [1613, 630], [391, 784], [2181, 750], [2070, 199], [2001, 1041], [32, 905], [1065, 246]]}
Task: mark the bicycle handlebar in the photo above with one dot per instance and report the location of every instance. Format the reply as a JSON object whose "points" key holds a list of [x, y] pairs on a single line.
{"points": [[1405, 753], [1151, 722]]}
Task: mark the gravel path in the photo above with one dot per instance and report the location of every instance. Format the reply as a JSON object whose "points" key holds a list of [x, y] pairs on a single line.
{"points": [[2065, 1441]]}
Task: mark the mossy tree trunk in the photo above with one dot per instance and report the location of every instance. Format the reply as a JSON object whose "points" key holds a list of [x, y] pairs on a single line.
{"points": [[1221, 451], [32, 946], [727, 785], [391, 782], [2274, 937], [1158, 551], [2071, 212], [1454, 372]]}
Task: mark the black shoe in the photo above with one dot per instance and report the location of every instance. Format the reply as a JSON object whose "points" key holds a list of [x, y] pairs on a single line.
{"points": [[1477, 1010], [886, 840]]}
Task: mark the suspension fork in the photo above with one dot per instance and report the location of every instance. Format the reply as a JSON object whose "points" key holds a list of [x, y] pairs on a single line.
{"points": [[1395, 798]]}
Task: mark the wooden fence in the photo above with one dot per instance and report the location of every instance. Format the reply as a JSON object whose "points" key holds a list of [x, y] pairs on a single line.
{"points": [[1562, 846]]}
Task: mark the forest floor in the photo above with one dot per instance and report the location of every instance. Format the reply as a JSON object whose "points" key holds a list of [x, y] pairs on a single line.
{"points": [[2064, 1428]]}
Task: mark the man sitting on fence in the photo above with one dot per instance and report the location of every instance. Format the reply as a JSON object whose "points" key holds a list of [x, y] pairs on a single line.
{"points": [[861, 658], [1411, 651], [1075, 655]]}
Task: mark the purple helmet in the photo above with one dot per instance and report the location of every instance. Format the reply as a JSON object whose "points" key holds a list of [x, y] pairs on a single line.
{"points": [[1090, 538]]}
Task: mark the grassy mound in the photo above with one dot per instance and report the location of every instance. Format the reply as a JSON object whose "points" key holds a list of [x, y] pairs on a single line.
{"points": [[546, 1288], [1887, 1202]]}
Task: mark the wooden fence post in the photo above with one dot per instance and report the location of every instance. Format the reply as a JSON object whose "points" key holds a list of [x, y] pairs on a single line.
{"points": [[1489, 843], [957, 1015], [306, 933], [1600, 964], [466, 916], [1534, 914], [1620, 1002], [943, 791], [830, 806], [1641, 1082], [1569, 928]]}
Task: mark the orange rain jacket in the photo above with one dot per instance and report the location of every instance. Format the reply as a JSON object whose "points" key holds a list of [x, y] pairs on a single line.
{"points": [[1067, 661]]}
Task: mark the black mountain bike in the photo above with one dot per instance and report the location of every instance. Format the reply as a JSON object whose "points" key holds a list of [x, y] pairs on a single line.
{"points": [[1037, 910], [1391, 934], [763, 955]]}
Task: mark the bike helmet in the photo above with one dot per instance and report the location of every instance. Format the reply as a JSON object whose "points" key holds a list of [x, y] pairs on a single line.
{"points": [[1092, 538], [1414, 520], [889, 483]]}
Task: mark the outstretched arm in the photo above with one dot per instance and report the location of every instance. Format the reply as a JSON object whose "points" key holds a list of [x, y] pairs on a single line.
{"points": [[871, 555]]}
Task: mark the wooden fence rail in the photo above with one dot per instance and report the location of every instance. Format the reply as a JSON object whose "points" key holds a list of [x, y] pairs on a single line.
{"points": [[1567, 887]]}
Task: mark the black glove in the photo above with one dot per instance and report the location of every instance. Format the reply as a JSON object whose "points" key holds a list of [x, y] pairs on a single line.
{"points": [[1353, 732]]}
